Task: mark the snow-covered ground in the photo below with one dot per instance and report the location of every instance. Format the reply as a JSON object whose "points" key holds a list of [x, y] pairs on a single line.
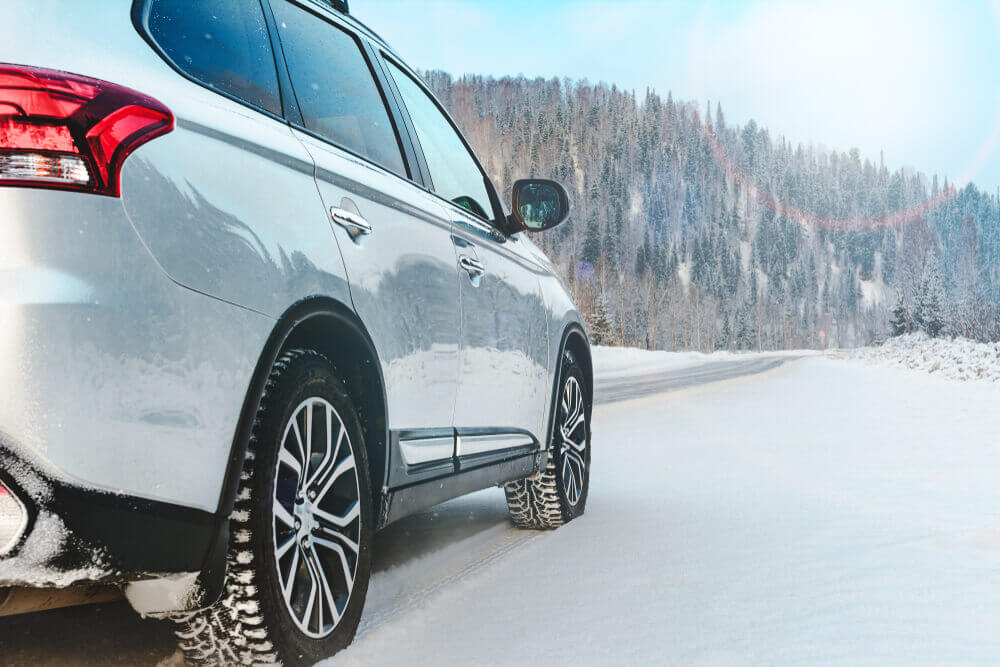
{"points": [[824, 512], [957, 358]]}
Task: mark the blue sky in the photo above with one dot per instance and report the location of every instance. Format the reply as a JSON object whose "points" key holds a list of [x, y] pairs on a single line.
{"points": [[917, 79]]}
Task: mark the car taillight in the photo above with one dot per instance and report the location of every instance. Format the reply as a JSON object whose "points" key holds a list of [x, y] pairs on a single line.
{"points": [[71, 132], [13, 519]]}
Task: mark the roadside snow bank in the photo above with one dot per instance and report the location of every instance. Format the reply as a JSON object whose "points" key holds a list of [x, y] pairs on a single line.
{"points": [[956, 359]]}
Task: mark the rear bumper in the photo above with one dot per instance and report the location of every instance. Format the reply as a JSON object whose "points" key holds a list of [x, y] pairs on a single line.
{"points": [[77, 535]]}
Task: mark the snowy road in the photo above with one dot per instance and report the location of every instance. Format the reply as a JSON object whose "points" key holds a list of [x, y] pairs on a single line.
{"points": [[638, 385], [822, 511]]}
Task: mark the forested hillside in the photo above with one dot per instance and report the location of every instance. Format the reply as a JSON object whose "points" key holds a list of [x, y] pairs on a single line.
{"points": [[691, 233]]}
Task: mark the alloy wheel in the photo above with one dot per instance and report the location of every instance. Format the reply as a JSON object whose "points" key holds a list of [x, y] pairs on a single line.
{"points": [[573, 441], [317, 517]]}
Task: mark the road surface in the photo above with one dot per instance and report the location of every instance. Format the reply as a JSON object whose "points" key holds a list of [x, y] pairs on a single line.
{"points": [[758, 510], [622, 388]]}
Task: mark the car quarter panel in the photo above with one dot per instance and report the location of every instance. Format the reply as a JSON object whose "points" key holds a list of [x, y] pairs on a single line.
{"points": [[227, 203], [114, 377]]}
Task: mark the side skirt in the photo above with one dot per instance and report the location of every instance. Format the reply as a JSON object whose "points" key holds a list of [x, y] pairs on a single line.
{"points": [[407, 500]]}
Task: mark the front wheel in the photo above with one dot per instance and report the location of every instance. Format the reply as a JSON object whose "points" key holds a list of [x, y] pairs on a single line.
{"points": [[301, 532], [559, 493]]}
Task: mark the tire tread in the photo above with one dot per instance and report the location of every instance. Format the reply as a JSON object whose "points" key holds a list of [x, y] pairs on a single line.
{"points": [[232, 631]]}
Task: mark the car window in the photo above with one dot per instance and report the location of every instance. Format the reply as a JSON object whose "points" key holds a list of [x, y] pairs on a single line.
{"points": [[334, 86], [454, 171], [221, 43]]}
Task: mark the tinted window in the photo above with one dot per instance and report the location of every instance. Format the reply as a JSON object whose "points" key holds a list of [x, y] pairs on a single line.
{"points": [[222, 43], [334, 87], [454, 171]]}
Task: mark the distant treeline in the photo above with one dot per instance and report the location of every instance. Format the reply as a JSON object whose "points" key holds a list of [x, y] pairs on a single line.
{"points": [[690, 233]]}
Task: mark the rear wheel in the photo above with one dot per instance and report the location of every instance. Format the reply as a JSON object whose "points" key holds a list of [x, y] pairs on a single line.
{"points": [[301, 532], [559, 493]]}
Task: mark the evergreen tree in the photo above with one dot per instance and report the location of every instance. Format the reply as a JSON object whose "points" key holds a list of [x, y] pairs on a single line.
{"points": [[601, 328], [929, 310], [592, 241], [900, 323]]}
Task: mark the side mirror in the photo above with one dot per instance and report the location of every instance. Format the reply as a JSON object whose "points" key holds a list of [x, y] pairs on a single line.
{"points": [[538, 205]]}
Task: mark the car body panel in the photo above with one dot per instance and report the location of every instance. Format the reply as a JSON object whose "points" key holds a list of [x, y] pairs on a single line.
{"points": [[505, 360], [403, 282], [113, 374]]}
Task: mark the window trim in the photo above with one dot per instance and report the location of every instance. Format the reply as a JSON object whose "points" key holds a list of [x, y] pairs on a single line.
{"points": [[140, 15], [298, 123], [498, 223]]}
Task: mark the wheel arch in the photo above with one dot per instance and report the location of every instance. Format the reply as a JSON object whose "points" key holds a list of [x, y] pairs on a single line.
{"points": [[334, 330], [575, 342]]}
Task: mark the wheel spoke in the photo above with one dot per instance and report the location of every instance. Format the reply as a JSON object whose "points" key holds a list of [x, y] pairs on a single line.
{"points": [[339, 550], [338, 521], [322, 473], [344, 466], [344, 539], [298, 440], [287, 458], [309, 434], [283, 549], [575, 424], [324, 586], [307, 615], [289, 582], [282, 515]]}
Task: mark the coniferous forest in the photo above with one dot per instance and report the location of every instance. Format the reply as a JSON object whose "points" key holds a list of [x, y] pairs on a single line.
{"points": [[690, 232]]}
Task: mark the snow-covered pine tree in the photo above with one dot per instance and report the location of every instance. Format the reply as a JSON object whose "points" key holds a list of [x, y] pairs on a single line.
{"points": [[900, 323], [601, 328], [929, 309]]}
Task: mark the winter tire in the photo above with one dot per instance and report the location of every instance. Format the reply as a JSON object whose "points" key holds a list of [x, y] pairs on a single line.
{"points": [[559, 493], [301, 531]]}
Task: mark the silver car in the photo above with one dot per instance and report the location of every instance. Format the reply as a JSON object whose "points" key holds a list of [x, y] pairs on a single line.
{"points": [[258, 299]]}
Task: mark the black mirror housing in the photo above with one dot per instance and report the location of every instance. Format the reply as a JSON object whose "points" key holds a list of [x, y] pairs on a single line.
{"points": [[538, 204]]}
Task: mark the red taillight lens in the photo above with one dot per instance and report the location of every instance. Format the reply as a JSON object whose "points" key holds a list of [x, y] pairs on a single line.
{"points": [[72, 132], [13, 520]]}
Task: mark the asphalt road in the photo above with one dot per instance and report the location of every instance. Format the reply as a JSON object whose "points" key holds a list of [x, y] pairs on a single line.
{"points": [[112, 634]]}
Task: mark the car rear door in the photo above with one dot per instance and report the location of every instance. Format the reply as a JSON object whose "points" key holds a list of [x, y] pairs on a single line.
{"points": [[503, 385], [395, 245]]}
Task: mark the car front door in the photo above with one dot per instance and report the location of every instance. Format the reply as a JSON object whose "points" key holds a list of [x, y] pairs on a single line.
{"points": [[396, 246], [503, 375]]}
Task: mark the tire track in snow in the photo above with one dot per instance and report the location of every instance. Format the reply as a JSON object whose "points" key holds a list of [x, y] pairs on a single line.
{"points": [[446, 576]]}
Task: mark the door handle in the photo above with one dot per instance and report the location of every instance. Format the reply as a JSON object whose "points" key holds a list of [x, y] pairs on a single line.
{"points": [[354, 224], [473, 267]]}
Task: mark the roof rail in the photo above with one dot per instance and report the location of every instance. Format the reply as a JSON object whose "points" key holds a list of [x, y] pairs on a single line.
{"points": [[339, 5]]}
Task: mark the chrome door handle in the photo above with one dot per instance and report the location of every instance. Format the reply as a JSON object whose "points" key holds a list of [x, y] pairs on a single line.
{"points": [[354, 224], [473, 267]]}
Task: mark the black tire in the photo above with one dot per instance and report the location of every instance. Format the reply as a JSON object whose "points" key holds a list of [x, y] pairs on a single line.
{"points": [[252, 624], [544, 502]]}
